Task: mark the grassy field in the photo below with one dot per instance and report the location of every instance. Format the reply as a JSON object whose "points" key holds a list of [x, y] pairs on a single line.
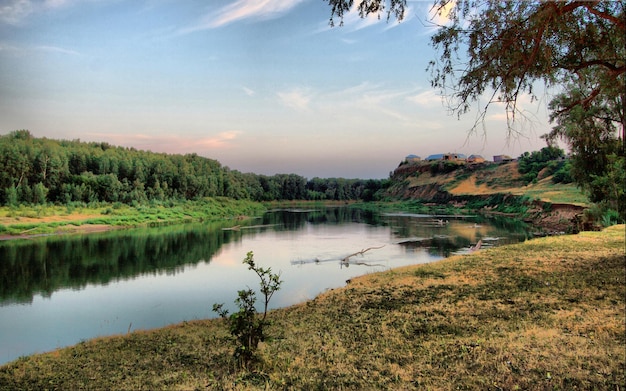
{"points": [[547, 314]]}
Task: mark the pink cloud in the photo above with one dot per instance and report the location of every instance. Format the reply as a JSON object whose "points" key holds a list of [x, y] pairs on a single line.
{"points": [[170, 143]]}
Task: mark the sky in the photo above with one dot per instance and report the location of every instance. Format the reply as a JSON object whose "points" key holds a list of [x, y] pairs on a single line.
{"points": [[262, 86]]}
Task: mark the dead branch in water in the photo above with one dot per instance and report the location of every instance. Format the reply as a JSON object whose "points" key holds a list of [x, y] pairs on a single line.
{"points": [[347, 259]]}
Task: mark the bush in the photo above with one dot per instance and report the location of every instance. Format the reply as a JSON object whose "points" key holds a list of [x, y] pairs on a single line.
{"points": [[246, 325], [530, 164], [563, 174]]}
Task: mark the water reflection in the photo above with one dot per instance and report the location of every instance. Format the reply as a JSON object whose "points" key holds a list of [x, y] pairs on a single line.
{"points": [[44, 265], [55, 291]]}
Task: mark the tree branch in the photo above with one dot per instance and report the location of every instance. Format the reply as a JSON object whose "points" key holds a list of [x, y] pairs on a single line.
{"points": [[347, 258], [616, 21]]}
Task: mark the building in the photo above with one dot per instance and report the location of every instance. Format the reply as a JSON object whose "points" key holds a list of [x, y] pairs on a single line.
{"points": [[502, 159], [475, 159], [447, 156], [412, 158]]}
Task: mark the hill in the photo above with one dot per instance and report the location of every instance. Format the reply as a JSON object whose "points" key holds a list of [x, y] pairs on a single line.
{"points": [[490, 188]]}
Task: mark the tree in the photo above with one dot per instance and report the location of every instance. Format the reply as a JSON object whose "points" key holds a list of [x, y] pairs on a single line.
{"points": [[503, 50]]}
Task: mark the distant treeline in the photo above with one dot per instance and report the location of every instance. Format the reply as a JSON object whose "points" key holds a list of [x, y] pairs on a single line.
{"points": [[40, 170]]}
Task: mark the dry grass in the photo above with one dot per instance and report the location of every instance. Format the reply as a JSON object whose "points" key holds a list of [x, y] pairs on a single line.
{"points": [[505, 178], [544, 314]]}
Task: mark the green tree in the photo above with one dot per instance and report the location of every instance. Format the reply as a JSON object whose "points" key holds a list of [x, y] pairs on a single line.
{"points": [[11, 196], [39, 194]]}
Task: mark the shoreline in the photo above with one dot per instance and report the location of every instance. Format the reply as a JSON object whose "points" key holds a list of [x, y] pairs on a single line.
{"points": [[561, 219], [542, 314], [81, 229]]}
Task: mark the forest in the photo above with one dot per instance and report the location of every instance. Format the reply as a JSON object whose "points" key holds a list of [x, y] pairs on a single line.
{"points": [[40, 170]]}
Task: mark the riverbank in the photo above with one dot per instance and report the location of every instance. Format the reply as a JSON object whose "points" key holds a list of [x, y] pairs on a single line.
{"points": [[26, 222], [44, 220], [544, 314]]}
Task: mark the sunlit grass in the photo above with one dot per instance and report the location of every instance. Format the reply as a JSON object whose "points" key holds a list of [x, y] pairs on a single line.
{"points": [[44, 219], [543, 314], [560, 193]]}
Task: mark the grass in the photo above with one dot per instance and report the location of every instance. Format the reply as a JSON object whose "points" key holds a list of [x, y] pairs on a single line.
{"points": [[560, 193], [46, 219], [543, 315], [505, 179]]}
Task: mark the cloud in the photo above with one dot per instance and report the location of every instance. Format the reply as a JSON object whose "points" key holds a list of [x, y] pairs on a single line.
{"points": [[170, 143], [297, 99], [13, 12], [28, 50], [426, 98], [56, 49], [248, 91], [373, 98], [242, 10]]}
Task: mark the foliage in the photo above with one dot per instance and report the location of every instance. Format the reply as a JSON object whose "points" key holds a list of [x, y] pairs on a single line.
{"points": [[511, 45], [576, 48], [563, 174], [601, 215], [246, 325], [443, 167], [597, 150], [39, 171], [339, 8], [530, 164]]}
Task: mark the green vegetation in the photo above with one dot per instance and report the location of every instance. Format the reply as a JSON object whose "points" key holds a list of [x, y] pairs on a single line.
{"points": [[546, 161], [44, 265], [246, 325], [39, 171], [444, 167], [42, 219], [544, 314]]}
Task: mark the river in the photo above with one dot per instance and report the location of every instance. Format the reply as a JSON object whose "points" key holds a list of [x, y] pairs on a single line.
{"points": [[58, 291]]}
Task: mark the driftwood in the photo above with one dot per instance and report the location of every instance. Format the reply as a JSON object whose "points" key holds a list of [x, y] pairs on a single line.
{"points": [[239, 227], [347, 258], [477, 246], [345, 261]]}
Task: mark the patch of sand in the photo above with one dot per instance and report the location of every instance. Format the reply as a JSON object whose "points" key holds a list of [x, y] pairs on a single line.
{"points": [[469, 186], [5, 220]]}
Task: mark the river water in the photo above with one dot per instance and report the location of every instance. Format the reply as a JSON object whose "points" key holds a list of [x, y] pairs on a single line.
{"points": [[58, 291]]}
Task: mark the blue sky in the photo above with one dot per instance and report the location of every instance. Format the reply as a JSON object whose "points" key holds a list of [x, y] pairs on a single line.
{"points": [[263, 86]]}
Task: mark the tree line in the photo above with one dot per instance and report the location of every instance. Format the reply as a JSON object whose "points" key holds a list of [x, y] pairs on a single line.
{"points": [[40, 170]]}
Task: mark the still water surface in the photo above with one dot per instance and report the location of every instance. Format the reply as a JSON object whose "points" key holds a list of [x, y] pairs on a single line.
{"points": [[57, 291]]}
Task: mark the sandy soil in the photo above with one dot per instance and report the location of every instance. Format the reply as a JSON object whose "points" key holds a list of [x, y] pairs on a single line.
{"points": [[70, 229], [469, 186], [46, 219]]}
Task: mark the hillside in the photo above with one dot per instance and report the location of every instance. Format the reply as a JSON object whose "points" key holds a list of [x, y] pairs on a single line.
{"points": [[490, 186]]}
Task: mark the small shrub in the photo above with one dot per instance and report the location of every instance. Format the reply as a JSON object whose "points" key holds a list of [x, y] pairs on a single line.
{"points": [[610, 217], [246, 325]]}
